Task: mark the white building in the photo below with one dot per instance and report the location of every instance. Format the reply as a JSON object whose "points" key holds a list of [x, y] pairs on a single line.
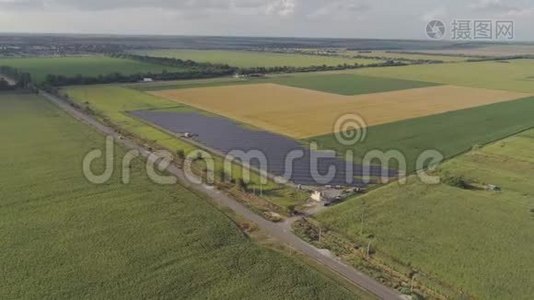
{"points": [[317, 196]]}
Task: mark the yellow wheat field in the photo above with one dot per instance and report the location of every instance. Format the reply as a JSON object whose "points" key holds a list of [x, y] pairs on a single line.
{"points": [[302, 113]]}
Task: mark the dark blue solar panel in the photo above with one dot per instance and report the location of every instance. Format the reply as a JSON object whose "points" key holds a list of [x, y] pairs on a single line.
{"points": [[225, 136]]}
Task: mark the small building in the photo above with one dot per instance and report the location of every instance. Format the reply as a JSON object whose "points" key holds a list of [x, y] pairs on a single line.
{"points": [[147, 79]]}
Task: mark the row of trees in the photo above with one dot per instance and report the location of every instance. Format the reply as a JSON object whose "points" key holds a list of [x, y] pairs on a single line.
{"points": [[22, 79], [117, 77], [175, 62], [287, 69], [218, 68], [500, 59], [187, 70]]}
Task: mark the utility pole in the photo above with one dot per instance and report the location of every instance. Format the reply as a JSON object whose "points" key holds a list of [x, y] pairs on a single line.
{"points": [[369, 249], [363, 218]]}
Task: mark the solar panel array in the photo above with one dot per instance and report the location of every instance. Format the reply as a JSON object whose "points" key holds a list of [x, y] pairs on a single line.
{"points": [[226, 136]]}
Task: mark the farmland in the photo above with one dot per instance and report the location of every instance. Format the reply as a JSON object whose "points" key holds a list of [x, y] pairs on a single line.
{"points": [[287, 110], [250, 59], [348, 84], [298, 167], [91, 66], [114, 103], [63, 237], [410, 109], [332, 82], [513, 75], [477, 241], [450, 133]]}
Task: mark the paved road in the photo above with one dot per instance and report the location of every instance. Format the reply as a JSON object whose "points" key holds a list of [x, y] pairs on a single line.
{"points": [[279, 231]]}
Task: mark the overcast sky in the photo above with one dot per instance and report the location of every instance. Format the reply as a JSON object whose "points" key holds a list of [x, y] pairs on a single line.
{"points": [[403, 19]]}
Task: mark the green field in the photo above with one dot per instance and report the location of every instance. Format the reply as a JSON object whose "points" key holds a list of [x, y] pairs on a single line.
{"points": [[92, 66], [513, 75], [450, 133], [478, 241], [249, 59], [348, 84], [63, 237]]}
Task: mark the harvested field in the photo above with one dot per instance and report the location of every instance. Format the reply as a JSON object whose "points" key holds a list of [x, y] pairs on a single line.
{"points": [[302, 113]]}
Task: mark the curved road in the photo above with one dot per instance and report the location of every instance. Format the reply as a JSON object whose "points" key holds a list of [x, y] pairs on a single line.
{"points": [[279, 231]]}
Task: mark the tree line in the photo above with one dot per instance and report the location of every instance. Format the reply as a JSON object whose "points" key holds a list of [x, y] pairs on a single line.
{"points": [[22, 79], [187, 70], [176, 62]]}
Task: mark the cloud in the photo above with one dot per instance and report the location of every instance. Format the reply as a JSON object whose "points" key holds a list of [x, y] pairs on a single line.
{"points": [[435, 14], [492, 6], [527, 12], [502, 9], [278, 8], [314, 18], [21, 4], [96, 5], [338, 9], [283, 8]]}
